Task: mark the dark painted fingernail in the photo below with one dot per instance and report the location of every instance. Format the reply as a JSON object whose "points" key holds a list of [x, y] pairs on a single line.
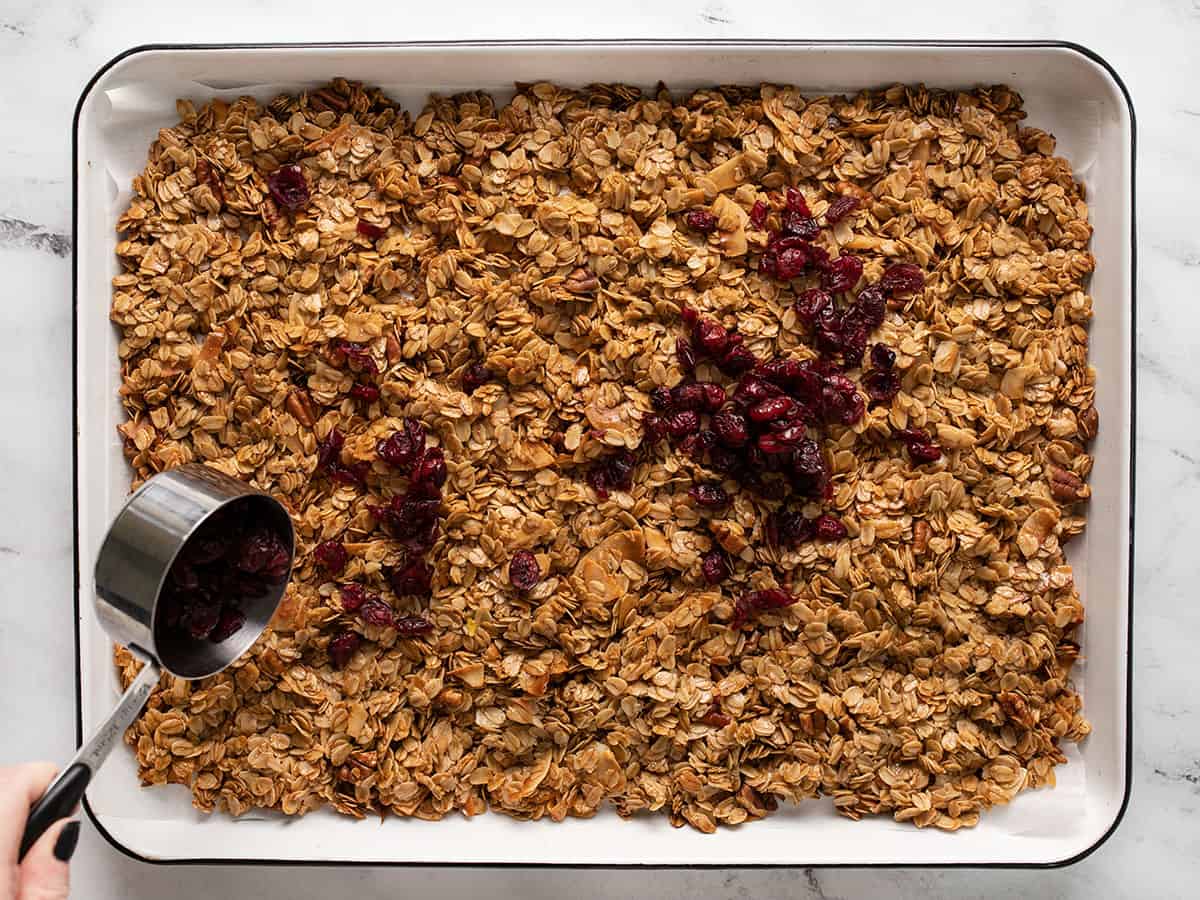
{"points": [[65, 845]]}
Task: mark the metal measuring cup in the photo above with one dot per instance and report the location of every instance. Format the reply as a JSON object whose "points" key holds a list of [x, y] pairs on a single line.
{"points": [[131, 570]]}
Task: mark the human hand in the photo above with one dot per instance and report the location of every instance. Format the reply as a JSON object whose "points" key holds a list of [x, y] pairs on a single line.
{"points": [[43, 873]]}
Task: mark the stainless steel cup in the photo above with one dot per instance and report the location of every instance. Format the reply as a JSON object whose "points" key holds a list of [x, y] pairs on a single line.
{"points": [[131, 569]]}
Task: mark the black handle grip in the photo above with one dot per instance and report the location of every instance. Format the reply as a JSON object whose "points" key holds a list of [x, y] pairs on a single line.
{"points": [[57, 803]]}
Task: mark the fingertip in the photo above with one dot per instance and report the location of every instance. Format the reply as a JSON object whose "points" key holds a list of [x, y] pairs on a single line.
{"points": [[44, 871]]}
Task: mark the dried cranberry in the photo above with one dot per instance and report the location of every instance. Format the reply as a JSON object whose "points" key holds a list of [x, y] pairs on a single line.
{"points": [[714, 567], [413, 578], [612, 473], [737, 359], [689, 315], [920, 445], [777, 443], [883, 357], [523, 571], [263, 552], [725, 460], [331, 556], [354, 595], [785, 262], [354, 474], [201, 617], [840, 208], [881, 386], [714, 396], [854, 339], [759, 601], [842, 274], [828, 330], [828, 528], [412, 626], [660, 398], [709, 496], [367, 392], [687, 396], [758, 214], [680, 424], [229, 623], [701, 220], [288, 187], [429, 471], [788, 527], [342, 647], [841, 403], [773, 409], [752, 390], [796, 203], [731, 428], [780, 372], [799, 225], [403, 448], [329, 450], [902, 280], [811, 303], [369, 230], [654, 428], [698, 444], [475, 375], [686, 355], [871, 305], [358, 355], [376, 612], [712, 338]]}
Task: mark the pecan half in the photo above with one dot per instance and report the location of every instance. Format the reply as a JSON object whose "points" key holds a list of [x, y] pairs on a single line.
{"points": [[581, 281], [1067, 487], [1089, 423], [300, 405]]}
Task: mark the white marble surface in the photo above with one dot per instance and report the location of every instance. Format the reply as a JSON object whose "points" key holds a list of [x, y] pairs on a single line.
{"points": [[48, 51]]}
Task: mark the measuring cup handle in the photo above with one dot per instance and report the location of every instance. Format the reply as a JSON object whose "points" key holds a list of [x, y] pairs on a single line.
{"points": [[65, 792]]}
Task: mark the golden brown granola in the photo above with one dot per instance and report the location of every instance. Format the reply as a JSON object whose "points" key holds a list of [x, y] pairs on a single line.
{"points": [[924, 671]]}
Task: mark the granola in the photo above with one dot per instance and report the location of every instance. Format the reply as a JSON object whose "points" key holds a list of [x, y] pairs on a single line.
{"points": [[516, 276]]}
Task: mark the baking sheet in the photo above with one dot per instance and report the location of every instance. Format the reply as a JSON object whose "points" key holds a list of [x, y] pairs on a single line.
{"points": [[1066, 93]]}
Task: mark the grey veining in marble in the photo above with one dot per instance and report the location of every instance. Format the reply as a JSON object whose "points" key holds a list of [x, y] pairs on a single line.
{"points": [[47, 53]]}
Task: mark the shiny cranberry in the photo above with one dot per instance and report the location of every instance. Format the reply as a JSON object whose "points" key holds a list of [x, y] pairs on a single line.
{"points": [[376, 612], [366, 392], [828, 528], [840, 208], [342, 648], [524, 572], [429, 470], [701, 220], [476, 375], [841, 403], [902, 280], [714, 396], [354, 595], [811, 303], [403, 447], [754, 602], [413, 578], [680, 424], [654, 428], [288, 187], [752, 390], [714, 567], [369, 230], [796, 224], [711, 337], [828, 330], [842, 274], [329, 450], [758, 214], [881, 386], [709, 496], [412, 626], [773, 409], [737, 359], [920, 445], [358, 356], [788, 527], [660, 398], [731, 428], [263, 552], [780, 372], [331, 556], [871, 305], [229, 623], [883, 357], [796, 203], [615, 472], [687, 396], [689, 315], [697, 445]]}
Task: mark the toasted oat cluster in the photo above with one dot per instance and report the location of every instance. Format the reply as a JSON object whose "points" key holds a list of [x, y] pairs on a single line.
{"points": [[438, 342]]}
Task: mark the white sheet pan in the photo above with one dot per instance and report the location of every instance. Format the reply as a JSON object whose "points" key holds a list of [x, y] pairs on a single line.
{"points": [[1068, 91]]}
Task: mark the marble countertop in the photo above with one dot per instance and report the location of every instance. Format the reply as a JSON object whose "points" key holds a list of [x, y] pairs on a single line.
{"points": [[47, 53]]}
